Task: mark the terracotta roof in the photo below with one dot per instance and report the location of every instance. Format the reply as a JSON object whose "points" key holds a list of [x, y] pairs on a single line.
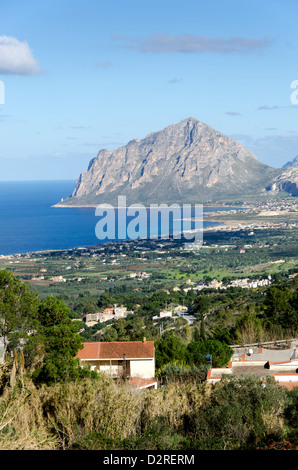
{"points": [[289, 385], [117, 349], [89, 351], [138, 382]]}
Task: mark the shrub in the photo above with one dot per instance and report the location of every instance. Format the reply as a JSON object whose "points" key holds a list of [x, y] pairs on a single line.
{"points": [[240, 414]]}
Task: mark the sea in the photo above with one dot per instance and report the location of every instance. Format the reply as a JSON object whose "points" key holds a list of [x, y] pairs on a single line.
{"points": [[29, 223]]}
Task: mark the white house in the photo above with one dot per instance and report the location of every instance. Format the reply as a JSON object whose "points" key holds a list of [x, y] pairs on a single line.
{"points": [[132, 359], [113, 313]]}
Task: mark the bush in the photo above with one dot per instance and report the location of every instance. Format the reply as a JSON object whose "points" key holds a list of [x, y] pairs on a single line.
{"points": [[241, 413], [175, 372], [98, 414], [220, 353]]}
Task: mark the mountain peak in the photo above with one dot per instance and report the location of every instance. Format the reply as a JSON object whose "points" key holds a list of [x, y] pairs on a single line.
{"points": [[184, 162], [292, 163]]}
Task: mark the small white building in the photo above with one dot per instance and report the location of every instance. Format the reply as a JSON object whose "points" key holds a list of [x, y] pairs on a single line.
{"points": [[258, 362], [113, 313], [162, 314]]}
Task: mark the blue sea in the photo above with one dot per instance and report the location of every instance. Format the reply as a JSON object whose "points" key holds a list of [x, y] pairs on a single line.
{"points": [[29, 223]]}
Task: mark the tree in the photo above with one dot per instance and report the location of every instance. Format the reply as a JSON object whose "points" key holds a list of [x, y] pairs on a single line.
{"points": [[289, 319], [202, 329], [291, 415], [135, 328], [186, 334], [249, 329], [196, 334], [60, 343], [18, 311], [275, 303], [240, 414], [201, 305], [170, 348], [221, 353]]}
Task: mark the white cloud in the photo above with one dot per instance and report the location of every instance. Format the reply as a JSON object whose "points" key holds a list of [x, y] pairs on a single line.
{"points": [[16, 58]]}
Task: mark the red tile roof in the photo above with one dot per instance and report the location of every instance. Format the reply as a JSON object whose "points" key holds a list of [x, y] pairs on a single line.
{"points": [[117, 349], [138, 382], [289, 385]]}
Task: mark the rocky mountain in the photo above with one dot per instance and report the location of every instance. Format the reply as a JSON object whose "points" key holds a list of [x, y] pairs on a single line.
{"points": [[287, 181], [292, 163], [187, 162]]}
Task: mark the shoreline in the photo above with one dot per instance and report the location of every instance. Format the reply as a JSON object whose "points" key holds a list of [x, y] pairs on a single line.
{"points": [[97, 246], [217, 217], [221, 227], [57, 206], [69, 206]]}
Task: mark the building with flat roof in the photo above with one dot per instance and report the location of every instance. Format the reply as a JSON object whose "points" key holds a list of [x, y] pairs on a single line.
{"points": [[281, 364]]}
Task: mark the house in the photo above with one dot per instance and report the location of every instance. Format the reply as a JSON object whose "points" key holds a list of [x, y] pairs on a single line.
{"points": [[280, 364], [113, 313], [162, 314], [133, 359]]}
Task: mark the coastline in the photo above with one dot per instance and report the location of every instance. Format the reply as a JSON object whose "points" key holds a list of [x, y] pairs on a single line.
{"points": [[58, 205], [96, 246], [221, 227], [224, 218], [69, 206]]}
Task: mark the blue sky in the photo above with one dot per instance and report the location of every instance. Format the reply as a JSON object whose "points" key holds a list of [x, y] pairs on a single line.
{"points": [[84, 75]]}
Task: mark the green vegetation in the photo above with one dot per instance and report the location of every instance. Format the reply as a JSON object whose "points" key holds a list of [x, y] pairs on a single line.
{"points": [[41, 331], [47, 401], [18, 307], [118, 268], [59, 343], [239, 414]]}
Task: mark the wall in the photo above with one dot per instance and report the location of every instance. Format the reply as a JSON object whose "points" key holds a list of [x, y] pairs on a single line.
{"points": [[144, 368]]}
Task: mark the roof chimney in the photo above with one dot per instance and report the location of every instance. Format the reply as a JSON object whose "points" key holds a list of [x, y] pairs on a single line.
{"points": [[144, 340]]}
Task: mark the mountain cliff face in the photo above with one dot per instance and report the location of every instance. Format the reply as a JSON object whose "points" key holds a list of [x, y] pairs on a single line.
{"points": [[188, 162], [287, 181]]}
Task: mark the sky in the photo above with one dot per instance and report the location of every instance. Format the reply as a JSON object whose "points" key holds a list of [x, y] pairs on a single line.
{"points": [[77, 76]]}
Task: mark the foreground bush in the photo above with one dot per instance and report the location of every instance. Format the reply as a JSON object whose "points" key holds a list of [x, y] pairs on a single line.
{"points": [[241, 413], [22, 423], [99, 414]]}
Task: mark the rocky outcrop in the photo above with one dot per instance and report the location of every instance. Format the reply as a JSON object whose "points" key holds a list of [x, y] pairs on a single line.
{"points": [[187, 162], [287, 181]]}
